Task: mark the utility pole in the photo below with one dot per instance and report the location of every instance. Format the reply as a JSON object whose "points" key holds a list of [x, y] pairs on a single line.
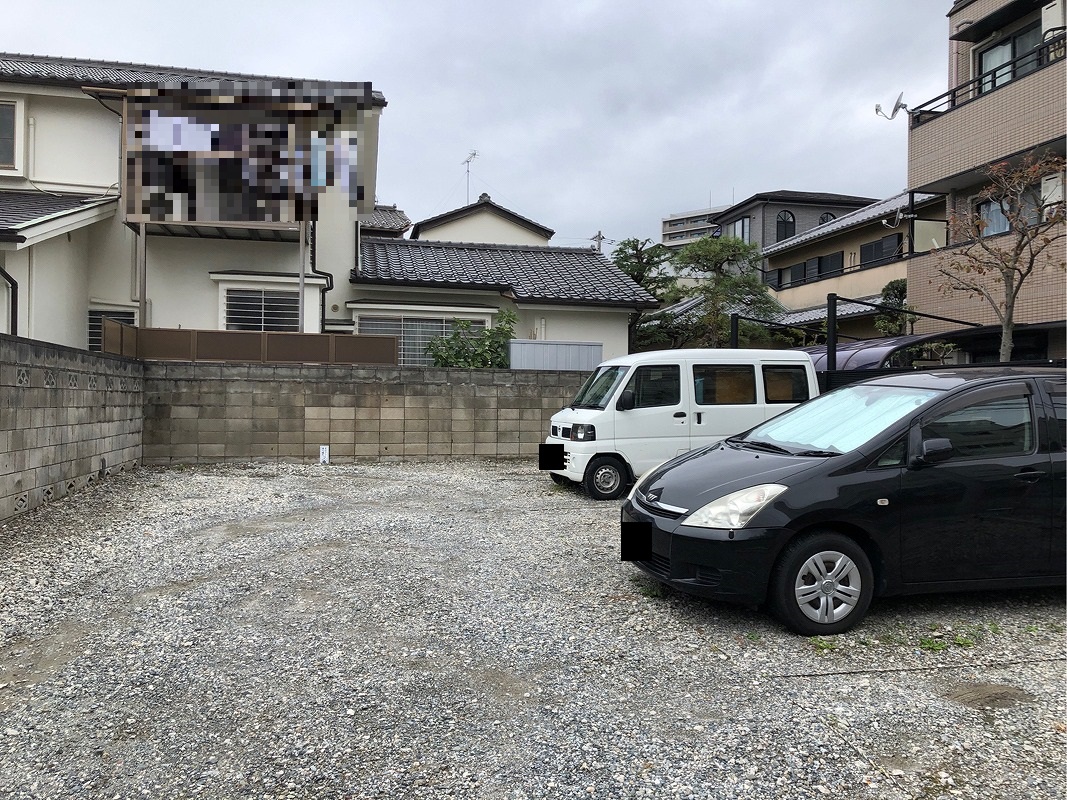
{"points": [[599, 239]]}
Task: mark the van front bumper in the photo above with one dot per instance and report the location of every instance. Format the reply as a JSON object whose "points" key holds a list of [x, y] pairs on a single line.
{"points": [[561, 459]]}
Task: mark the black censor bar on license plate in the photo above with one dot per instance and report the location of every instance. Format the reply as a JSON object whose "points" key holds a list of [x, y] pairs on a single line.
{"points": [[549, 456], [635, 541]]}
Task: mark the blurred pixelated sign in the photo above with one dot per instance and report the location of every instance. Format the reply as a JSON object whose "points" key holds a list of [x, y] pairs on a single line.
{"points": [[246, 152]]}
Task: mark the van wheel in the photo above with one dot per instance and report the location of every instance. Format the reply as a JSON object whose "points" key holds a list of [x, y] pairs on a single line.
{"points": [[822, 585], [605, 478]]}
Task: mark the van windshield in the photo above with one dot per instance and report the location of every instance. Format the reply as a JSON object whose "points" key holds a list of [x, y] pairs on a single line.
{"points": [[599, 387]]}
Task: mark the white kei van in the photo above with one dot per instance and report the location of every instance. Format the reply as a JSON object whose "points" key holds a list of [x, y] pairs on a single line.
{"points": [[637, 411]]}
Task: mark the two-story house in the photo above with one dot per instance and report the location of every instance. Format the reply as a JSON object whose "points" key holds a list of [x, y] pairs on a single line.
{"points": [[177, 198], [853, 256]]}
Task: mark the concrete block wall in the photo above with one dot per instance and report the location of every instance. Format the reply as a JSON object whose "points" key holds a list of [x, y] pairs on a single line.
{"points": [[67, 419], [199, 413]]}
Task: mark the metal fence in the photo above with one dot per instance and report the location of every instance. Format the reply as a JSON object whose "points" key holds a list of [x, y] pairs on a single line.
{"points": [[169, 344]]}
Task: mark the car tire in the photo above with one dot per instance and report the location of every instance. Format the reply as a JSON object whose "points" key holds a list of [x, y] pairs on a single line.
{"points": [[605, 478], [822, 585], [559, 480]]}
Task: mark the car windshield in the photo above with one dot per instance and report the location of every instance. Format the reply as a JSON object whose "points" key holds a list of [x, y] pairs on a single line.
{"points": [[599, 387], [842, 420]]}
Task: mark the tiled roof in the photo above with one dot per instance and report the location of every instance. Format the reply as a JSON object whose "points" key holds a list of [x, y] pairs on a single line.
{"points": [[562, 275], [484, 203], [52, 70], [388, 218], [844, 309], [692, 308], [19, 210], [853, 219]]}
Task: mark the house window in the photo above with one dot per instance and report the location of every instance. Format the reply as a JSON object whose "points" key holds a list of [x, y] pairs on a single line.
{"points": [[95, 328], [995, 222], [787, 225], [827, 217], [262, 310], [996, 63], [7, 135], [831, 264], [738, 229], [881, 249], [413, 334]]}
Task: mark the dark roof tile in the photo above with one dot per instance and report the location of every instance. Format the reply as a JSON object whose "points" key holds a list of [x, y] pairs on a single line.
{"points": [[21, 209], [52, 70], [533, 274]]}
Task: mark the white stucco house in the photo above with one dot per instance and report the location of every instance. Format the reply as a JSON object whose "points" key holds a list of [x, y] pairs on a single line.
{"points": [[176, 198], [474, 261]]}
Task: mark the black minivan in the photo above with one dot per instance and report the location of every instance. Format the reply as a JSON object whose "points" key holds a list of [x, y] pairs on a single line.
{"points": [[918, 482]]}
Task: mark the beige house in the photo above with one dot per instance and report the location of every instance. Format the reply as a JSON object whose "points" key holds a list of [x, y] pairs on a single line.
{"points": [[483, 221], [474, 262], [1006, 98], [143, 193], [853, 256]]}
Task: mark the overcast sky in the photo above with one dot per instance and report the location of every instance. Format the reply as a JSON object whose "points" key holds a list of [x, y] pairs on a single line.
{"points": [[587, 115]]}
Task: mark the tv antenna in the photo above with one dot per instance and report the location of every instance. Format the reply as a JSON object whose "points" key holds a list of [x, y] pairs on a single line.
{"points": [[473, 155], [897, 106]]}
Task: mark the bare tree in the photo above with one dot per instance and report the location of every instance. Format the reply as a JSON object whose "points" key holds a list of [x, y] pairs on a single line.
{"points": [[1007, 235]]}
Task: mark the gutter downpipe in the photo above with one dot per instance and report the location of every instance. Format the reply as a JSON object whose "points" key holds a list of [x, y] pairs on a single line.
{"points": [[11, 282], [313, 235]]}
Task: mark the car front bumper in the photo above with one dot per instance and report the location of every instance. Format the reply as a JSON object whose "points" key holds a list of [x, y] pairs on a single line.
{"points": [[732, 565]]}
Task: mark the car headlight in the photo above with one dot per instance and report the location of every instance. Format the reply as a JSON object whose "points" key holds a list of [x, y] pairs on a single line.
{"points": [[735, 509], [583, 433]]}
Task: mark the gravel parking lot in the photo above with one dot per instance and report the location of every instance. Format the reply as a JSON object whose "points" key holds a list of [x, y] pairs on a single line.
{"points": [[466, 629]]}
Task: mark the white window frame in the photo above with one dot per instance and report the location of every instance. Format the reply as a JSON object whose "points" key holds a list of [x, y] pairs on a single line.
{"points": [[411, 311], [313, 285], [19, 167], [103, 308]]}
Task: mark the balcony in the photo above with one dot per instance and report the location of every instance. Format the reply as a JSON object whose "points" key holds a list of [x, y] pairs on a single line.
{"points": [[1009, 110]]}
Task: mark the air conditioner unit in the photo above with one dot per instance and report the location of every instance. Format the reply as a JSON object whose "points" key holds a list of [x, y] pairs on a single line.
{"points": [[1052, 17]]}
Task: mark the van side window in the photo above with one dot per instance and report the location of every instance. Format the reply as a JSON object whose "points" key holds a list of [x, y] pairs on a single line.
{"points": [[656, 385], [724, 385], [785, 384]]}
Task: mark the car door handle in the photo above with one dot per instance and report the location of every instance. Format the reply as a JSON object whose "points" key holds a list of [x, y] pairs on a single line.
{"points": [[1029, 476], [678, 414]]}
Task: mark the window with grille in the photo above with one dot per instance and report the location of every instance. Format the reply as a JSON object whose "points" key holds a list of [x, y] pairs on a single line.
{"points": [[262, 310], [95, 330], [413, 334]]}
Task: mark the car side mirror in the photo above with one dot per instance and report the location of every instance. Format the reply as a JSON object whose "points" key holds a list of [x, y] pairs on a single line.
{"points": [[934, 451], [625, 401]]}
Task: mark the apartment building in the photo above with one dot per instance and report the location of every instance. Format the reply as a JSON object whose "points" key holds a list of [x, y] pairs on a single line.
{"points": [[1006, 99]]}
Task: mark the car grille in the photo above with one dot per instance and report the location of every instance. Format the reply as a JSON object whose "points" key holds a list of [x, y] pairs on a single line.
{"points": [[561, 431], [655, 508], [658, 565]]}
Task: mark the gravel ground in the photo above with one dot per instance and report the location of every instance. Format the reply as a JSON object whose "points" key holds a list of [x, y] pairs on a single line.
{"points": [[466, 630]]}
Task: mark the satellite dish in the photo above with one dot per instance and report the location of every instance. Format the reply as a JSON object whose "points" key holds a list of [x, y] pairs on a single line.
{"points": [[897, 106]]}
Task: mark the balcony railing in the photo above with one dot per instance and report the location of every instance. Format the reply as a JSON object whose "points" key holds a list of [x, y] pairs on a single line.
{"points": [[1048, 52]]}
